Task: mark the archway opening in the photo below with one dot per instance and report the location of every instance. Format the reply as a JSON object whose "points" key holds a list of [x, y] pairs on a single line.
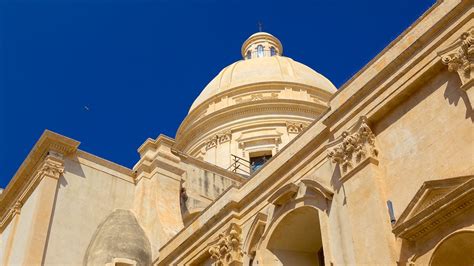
{"points": [[297, 239], [457, 249]]}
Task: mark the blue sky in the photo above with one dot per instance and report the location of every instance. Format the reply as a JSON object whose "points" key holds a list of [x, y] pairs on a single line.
{"points": [[138, 65]]}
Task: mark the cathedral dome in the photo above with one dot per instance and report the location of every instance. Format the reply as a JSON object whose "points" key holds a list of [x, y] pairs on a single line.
{"points": [[263, 63], [253, 107]]}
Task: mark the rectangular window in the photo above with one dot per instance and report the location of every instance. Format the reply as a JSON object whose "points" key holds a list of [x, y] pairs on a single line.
{"points": [[258, 160]]}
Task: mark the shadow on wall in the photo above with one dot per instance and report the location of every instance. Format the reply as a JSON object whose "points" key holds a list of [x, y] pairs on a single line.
{"points": [[336, 182], [71, 166], [454, 94]]}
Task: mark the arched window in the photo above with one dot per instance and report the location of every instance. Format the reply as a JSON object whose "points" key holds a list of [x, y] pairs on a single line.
{"points": [[273, 51], [260, 51], [249, 55]]}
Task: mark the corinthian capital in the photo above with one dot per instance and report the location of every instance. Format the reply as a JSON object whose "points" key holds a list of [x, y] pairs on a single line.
{"points": [[459, 57], [228, 248], [53, 165], [353, 146]]}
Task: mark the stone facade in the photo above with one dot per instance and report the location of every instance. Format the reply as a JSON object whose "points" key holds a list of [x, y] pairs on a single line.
{"points": [[379, 172]]}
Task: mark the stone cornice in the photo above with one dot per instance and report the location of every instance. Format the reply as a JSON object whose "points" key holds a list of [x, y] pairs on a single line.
{"points": [[153, 144], [195, 118], [104, 165], [44, 159], [254, 88], [414, 49], [155, 155]]}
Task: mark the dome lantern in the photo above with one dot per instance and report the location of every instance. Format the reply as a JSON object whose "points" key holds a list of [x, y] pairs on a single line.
{"points": [[261, 44]]}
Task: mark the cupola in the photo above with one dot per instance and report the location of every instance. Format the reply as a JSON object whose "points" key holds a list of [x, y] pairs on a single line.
{"points": [[261, 44]]}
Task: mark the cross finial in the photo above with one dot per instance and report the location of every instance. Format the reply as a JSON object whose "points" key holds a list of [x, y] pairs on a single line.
{"points": [[260, 26]]}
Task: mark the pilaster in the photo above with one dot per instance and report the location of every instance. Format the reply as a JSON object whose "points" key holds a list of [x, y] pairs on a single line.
{"points": [[48, 173], [15, 211], [355, 155]]}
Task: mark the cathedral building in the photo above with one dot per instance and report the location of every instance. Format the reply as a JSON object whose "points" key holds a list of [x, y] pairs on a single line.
{"points": [[274, 165]]}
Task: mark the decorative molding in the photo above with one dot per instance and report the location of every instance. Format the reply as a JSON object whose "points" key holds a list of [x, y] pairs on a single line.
{"points": [[53, 165], [256, 97], [228, 249], [295, 127], [264, 91], [459, 57], [353, 147], [44, 159], [218, 139], [225, 137], [16, 208], [212, 142], [435, 203]]}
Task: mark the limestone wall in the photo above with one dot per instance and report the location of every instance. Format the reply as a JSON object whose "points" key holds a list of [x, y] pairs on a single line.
{"points": [[89, 190], [429, 136], [4, 236], [24, 224]]}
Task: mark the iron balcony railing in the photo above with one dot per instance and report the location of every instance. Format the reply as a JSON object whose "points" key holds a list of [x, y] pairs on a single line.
{"points": [[239, 165]]}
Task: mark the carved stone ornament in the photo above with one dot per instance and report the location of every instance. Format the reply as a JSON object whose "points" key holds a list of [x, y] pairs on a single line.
{"points": [[295, 128], [224, 137], [53, 165], [353, 146], [459, 57], [211, 143], [218, 139], [16, 208], [228, 249]]}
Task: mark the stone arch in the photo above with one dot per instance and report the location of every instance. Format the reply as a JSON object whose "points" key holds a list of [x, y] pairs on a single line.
{"points": [[455, 249], [254, 238], [297, 230], [295, 238]]}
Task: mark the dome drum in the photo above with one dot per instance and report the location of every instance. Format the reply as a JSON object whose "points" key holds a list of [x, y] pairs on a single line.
{"points": [[288, 117]]}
